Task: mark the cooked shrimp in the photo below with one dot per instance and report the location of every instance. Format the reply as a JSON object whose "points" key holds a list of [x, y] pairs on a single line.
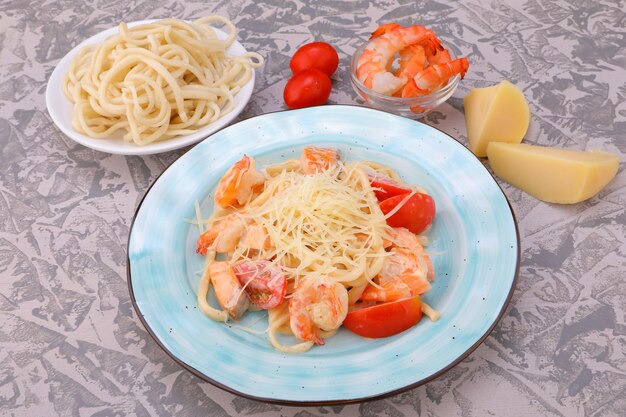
{"points": [[317, 159], [403, 287], [434, 77], [228, 290], [225, 234], [400, 262], [318, 303], [239, 183], [382, 29], [412, 58], [404, 238], [255, 237], [430, 48], [440, 57], [412, 61], [402, 276], [373, 67], [406, 272]]}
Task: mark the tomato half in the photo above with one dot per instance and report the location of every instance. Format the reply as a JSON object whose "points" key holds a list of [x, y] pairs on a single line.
{"points": [[318, 55], [385, 187], [384, 320], [310, 87], [266, 283], [416, 214]]}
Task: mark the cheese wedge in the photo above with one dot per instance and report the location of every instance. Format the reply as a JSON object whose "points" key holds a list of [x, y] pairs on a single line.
{"points": [[551, 174], [498, 113]]}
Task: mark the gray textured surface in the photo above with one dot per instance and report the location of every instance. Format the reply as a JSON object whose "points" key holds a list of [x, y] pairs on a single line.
{"points": [[70, 343]]}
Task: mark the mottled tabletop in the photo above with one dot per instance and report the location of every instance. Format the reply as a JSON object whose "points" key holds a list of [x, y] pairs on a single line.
{"points": [[70, 342]]}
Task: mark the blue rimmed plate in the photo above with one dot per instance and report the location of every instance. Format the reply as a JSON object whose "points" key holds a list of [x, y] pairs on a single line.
{"points": [[474, 241]]}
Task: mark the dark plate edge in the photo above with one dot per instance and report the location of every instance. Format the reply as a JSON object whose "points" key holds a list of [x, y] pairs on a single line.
{"points": [[329, 402]]}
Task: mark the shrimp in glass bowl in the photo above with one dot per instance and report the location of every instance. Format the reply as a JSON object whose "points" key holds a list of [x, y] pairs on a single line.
{"points": [[407, 71]]}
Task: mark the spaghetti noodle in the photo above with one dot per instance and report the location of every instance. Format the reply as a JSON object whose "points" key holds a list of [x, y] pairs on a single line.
{"points": [[156, 81]]}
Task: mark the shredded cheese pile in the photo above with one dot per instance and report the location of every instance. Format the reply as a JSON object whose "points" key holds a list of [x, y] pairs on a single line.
{"points": [[326, 223]]}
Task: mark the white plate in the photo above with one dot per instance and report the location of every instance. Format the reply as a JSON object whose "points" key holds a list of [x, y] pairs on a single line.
{"points": [[61, 109]]}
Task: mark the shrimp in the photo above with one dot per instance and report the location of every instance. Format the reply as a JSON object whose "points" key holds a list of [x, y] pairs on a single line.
{"points": [[404, 238], [406, 271], [228, 289], [318, 303], [227, 233], [239, 183], [403, 287], [373, 67], [256, 237], [430, 47], [224, 235], [412, 58], [382, 29], [441, 57], [434, 77], [315, 159], [401, 277], [412, 61]]}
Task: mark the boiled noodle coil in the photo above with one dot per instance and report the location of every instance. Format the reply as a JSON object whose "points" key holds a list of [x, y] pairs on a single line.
{"points": [[157, 81]]}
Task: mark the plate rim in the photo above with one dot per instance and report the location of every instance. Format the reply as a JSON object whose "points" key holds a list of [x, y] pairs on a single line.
{"points": [[152, 148], [316, 403]]}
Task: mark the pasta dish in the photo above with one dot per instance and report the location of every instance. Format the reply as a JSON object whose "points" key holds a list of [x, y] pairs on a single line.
{"points": [[315, 243], [157, 80]]}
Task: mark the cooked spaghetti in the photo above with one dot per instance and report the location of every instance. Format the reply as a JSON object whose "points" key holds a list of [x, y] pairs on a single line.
{"points": [[157, 80], [307, 241]]}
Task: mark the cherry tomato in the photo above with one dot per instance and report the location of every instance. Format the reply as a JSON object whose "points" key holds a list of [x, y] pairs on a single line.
{"points": [[266, 283], [384, 320], [318, 55], [416, 214], [385, 187], [310, 87]]}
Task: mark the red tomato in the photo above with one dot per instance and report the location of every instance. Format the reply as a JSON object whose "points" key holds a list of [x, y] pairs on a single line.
{"points": [[385, 187], [318, 55], [310, 87], [416, 214], [384, 320], [266, 282]]}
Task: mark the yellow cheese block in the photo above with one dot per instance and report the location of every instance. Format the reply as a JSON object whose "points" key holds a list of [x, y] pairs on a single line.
{"points": [[495, 114], [551, 174]]}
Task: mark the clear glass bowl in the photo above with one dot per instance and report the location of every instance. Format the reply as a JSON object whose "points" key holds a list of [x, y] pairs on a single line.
{"points": [[411, 107]]}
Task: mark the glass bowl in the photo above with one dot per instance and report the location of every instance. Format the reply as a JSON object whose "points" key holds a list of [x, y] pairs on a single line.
{"points": [[411, 107]]}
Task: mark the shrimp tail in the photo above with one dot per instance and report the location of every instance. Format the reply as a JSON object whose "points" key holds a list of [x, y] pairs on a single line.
{"points": [[382, 29], [432, 45], [440, 57], [410, 89], [205, 240], [438, 75], [458, 66]]}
